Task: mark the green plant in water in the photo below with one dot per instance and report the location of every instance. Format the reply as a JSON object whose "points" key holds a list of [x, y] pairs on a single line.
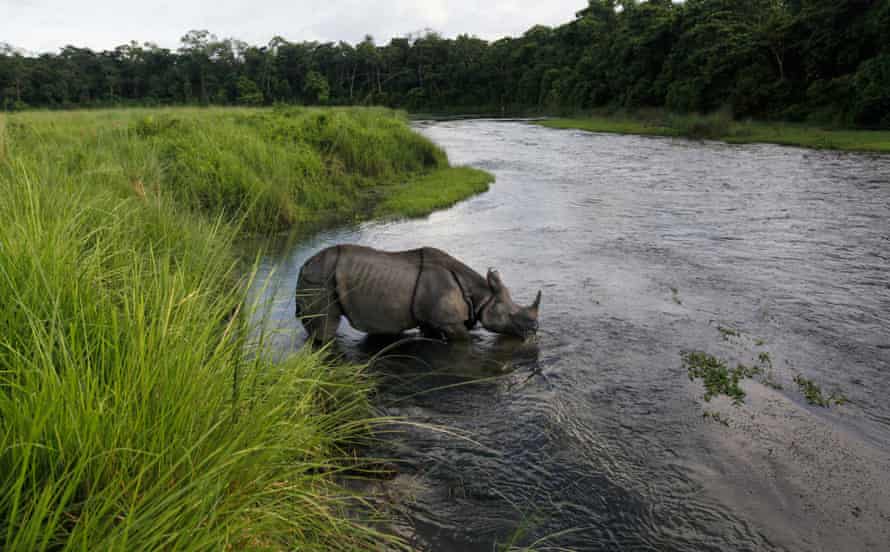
{"points": [[728, 332], [813, 393], [675, 296], [765, 363], [715, 416], [139, 408], [716, 376]]}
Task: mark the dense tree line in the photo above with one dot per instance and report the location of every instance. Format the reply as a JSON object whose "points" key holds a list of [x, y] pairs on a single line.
{"points": [[823, 60]]}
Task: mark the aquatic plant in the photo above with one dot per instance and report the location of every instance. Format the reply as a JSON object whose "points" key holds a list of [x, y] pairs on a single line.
{"points": [[717, 378], [715, 416], [728, 332], [813, 393], [675, 296]]}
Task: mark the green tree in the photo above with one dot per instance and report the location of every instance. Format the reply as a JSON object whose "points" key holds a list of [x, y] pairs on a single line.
{"points": [[248, 92], [793, 59], [316, 89]]}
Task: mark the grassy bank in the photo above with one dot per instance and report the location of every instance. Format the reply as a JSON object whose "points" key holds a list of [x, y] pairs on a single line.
{"points": [[720, 126], [273, 170], [443, 188], [137, 408]]}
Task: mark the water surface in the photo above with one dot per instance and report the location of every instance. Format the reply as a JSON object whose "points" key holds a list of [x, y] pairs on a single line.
{"points": [[593, 437]]}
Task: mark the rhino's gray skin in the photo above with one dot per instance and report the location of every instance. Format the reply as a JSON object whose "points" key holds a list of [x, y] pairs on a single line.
{"points": [[383, 292]]}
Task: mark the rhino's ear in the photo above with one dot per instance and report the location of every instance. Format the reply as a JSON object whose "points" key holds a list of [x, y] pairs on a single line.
{"points": [[494, 281], [533, 309]]}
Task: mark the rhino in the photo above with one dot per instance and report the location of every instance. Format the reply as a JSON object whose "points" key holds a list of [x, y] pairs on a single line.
{"points": [[382, 292]]}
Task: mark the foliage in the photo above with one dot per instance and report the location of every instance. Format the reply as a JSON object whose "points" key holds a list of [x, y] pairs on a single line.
{"points": [[248, 92], [138, 410], [270, 170], [813, 393], [316, 89], [816, 61], [717, 378]]}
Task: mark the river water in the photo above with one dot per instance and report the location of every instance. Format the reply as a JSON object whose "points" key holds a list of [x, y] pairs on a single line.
{"points": [[593, 437]]}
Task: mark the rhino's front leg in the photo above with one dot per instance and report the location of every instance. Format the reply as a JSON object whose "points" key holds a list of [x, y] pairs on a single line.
{"points": [[430, 332], [456, 332]]}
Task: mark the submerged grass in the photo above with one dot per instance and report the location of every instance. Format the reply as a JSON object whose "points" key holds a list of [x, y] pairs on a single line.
{"points": [[812, 392], [721, 126], [717, 377], [138, 409]]}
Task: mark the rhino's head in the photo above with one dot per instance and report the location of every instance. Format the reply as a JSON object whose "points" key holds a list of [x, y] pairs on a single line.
{"points": [[500, 314]]}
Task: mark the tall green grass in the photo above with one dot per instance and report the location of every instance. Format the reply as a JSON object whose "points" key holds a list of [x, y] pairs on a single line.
{"points": [[272, 170], [138, 408]]}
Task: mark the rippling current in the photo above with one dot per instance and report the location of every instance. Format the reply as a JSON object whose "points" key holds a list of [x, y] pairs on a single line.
{"points": [[593, 437]]}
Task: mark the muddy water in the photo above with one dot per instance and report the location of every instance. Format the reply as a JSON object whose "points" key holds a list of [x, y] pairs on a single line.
{"points": [[593, 438]]}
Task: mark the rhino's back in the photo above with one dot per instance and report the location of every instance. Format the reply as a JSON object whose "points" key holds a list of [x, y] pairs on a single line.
{"points": [[376, 288]]}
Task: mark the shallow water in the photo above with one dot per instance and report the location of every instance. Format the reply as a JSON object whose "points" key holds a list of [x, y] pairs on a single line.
{"points": [[593, 436]]}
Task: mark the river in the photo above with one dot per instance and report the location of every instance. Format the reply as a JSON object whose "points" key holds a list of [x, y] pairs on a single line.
{"points": [[593, 437]]}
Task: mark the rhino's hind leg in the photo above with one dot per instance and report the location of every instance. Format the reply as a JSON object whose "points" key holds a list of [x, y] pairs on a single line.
{"points": [[319, 312]]}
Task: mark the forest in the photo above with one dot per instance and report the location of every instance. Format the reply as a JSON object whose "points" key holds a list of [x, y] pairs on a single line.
{"points": [[822, 62]]}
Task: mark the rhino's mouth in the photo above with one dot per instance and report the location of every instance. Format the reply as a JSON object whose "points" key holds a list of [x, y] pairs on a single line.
{"points": [[527, 333]]}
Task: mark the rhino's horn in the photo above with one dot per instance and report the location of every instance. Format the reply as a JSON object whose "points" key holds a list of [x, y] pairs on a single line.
{"points": [[537, 303]]}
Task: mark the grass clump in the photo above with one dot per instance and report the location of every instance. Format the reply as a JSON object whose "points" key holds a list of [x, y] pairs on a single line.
{"points": [[138, 409], [765, 362], [716, 376], [813, 393]]}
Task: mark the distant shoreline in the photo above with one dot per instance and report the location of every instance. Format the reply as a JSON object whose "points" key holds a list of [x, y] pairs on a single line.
{"points": [[721, 127]]}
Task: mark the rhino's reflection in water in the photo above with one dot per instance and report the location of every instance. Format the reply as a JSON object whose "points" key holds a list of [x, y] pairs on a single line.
{"points": [[592, 436], [427, 364]]}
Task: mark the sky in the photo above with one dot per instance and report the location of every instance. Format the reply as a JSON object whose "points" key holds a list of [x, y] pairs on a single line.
{"points": [[46, 25]]}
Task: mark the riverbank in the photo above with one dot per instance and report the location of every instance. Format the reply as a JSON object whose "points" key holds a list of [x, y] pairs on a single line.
{"points": [[721, 127], [138, 407]]}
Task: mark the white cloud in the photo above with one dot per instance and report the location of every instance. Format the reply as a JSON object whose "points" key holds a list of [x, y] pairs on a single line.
{"points": [[47, 25]]}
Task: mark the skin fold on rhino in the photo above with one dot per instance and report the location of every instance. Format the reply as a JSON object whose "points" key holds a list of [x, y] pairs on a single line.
{"points": [[383, 292]]}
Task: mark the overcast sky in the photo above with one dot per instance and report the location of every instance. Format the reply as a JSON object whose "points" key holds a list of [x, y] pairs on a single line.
{"points": [[47, 25]]}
